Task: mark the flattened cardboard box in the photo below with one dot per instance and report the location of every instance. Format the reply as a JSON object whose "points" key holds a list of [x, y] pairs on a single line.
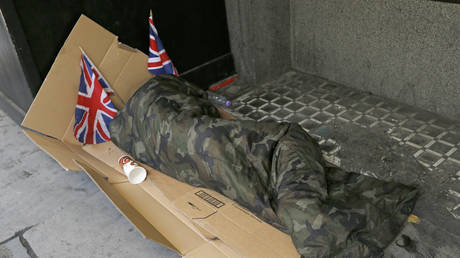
{"points": [[194, 222]]}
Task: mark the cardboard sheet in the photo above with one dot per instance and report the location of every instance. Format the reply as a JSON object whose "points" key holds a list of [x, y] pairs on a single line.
{"points": [[195, 222], [61, 84]]}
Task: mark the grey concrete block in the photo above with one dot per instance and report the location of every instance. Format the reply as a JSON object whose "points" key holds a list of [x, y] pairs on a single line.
{"points": [[404, 50], [14, 82], [259, 38]]}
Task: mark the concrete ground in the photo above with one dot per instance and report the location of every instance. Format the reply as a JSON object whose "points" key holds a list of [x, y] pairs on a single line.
{"points": [[48, 212]]}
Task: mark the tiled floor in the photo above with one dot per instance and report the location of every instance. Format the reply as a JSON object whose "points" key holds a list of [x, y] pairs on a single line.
{"points": [[313, 102]]}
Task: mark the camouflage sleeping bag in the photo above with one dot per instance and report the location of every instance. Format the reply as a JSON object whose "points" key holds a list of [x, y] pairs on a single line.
{"points": [[275, 170]]}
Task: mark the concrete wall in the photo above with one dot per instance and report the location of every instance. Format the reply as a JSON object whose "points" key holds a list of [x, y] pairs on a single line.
{"points": [[408, 50], [259, 38], [15, 94]]}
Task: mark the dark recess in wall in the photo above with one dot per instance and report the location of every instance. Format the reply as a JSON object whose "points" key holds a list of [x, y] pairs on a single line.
{"points": [[193, 32]]}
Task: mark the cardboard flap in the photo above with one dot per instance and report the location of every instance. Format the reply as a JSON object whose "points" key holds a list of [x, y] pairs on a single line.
{"points": [[244, 232], [132, 76], [214, 249], [105, 171], [183, 237], [136, 218], [241, 240], [126, 70], [56, 149], [169, 187], [54, 105], [193, 206], [106, 152]]}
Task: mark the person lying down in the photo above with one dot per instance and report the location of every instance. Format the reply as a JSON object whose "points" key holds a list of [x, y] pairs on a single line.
{"points": [[275, 170]]}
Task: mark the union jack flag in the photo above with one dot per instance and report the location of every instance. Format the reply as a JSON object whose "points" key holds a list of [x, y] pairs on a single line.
{"points": [[94, 109], [105, 85], [159, 62]]}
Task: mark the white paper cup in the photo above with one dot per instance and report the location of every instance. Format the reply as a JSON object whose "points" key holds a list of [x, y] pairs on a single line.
{"points": [[135, 173]]}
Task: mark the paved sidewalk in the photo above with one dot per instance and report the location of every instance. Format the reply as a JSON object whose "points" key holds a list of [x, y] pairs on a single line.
{"points": [[46, 211]]}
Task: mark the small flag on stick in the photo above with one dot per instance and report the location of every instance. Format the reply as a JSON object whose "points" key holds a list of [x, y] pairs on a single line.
{"points": [[159, 62], [94, 109]]}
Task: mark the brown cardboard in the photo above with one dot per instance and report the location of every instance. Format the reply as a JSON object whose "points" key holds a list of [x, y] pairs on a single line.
{"points": [[59, 86], [195, 222]]}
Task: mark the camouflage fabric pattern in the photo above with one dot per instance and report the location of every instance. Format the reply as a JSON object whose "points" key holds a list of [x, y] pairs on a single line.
{"points": [[273, 169]]}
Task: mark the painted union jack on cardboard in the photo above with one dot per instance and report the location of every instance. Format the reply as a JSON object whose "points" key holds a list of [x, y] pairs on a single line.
{"points": [[94, 109], [159, 62]]}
